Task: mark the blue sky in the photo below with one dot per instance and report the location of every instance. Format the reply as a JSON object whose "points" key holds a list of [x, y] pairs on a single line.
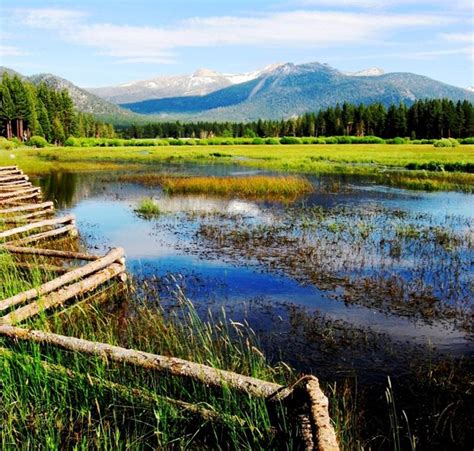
{"points": [[99, 43]]}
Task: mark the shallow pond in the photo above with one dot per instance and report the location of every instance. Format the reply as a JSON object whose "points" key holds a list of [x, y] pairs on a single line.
{"points": [[219, 251]]}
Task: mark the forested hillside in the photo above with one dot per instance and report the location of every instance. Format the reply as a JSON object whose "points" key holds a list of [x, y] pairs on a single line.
{"points": [[27, 110]]}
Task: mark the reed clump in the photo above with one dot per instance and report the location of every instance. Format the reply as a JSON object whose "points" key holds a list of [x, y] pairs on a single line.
{"points": [[284, 187], [148, 208]]}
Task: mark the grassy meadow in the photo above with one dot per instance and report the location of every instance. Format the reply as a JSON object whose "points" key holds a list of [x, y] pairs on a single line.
{"points": [[394, 165]]}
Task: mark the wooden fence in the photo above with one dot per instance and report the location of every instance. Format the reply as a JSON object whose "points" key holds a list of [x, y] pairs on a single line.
{"points": [[26, 219]]}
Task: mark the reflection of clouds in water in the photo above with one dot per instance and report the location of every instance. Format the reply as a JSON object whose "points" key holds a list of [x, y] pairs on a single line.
{"points": [[203, 204]]}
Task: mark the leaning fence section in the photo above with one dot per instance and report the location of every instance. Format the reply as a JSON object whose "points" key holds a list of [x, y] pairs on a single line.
{"points": [[25, 219]]}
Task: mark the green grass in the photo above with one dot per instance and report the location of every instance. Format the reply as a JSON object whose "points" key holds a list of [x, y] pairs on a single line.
{"points": [[148, 208], [371, 160], [259, 186]]}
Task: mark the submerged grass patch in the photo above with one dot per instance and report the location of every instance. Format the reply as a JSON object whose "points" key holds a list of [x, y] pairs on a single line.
{"points": [[148, 208], [288, 187]]}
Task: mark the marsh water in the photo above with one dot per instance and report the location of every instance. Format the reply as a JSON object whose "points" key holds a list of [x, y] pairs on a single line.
{"points": [[355, 278]]}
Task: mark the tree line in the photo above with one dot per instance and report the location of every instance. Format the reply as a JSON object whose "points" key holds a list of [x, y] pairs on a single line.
{"points": [[424, 119], [27, 110]]}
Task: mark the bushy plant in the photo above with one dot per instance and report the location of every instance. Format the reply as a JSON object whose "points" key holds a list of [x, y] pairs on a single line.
{"points": [[330, 140], [258, 141], [443, 143], [5, 144], [37, 141], [454, 142], [467, 140], [190, 142], [272, 141], [290, 140], [72, 142], [396, 140]]}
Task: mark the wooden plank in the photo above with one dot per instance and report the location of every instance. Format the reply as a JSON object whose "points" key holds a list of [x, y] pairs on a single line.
{"points": [[18, 199], [58, 298], [13, 178], [28, 207], [8, 168], [19, 192], [49, 252], [24, 218], [204, 374], [68, 229], [112, 256], [37, 225]]}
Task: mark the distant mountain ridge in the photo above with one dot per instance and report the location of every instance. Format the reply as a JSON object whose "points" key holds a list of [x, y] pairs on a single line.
{"points": [[201, 82], [289, 90]]}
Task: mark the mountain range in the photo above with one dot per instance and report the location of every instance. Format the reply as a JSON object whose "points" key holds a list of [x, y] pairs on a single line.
{"points": [[288, 89], [277, 91]]}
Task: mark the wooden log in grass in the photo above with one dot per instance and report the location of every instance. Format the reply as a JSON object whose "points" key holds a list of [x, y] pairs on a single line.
{"points": [[24, 218], [8, 168], [49, 252], [13, 178], [30, 207], [69, 219], [20, 192], [18, 199], [61, 296], [115, 255], [131, 394], [16, 187], [324, 436], [66, 230]]}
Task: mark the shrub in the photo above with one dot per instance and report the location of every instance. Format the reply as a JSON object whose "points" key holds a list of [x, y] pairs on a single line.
{"points": [[72, 142], [290, 140], [467, 140], [416, 141], [343, 139], [258, 141], [330, 140], [272, 141], [443, 143], [37, 141], [5, 144], [396, 140], [454, 142], [190, 142]]}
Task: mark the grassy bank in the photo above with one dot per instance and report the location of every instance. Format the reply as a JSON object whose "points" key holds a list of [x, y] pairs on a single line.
{"points": [[387, 164]]}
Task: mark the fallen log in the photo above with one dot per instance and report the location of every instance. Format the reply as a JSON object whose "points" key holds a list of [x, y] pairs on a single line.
{"points": [[20, 192], [19, 199], [13, 178], [23, 218], [171, 365], [11, 172], [42, 267], [69, 219], [60, 297], [8, 168], [131, 394], [48, 252], [14, 188], [114, 255], [68, 229], [29, 207]]}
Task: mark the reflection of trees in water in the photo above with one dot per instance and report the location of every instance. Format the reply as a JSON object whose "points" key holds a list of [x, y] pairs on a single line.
{"points": [[60, 187]]}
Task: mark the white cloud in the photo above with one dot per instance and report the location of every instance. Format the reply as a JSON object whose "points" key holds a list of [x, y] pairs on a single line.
{"points": [[50, 18], [134, 44], [378, 4], [8, 50], [458, 37]]}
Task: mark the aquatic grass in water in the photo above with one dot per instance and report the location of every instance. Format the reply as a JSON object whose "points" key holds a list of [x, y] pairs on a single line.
{"points": [[288, 187], [148, 208]]}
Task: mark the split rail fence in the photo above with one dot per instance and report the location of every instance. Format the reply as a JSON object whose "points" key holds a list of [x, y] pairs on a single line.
{"points": [[25, 219]]}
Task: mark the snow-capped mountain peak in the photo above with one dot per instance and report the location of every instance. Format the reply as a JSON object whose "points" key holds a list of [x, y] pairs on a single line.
{"points": [[370, 72]]}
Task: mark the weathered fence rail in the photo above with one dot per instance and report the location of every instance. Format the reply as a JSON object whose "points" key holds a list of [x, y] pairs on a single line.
{"points": [[21, 206]]}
